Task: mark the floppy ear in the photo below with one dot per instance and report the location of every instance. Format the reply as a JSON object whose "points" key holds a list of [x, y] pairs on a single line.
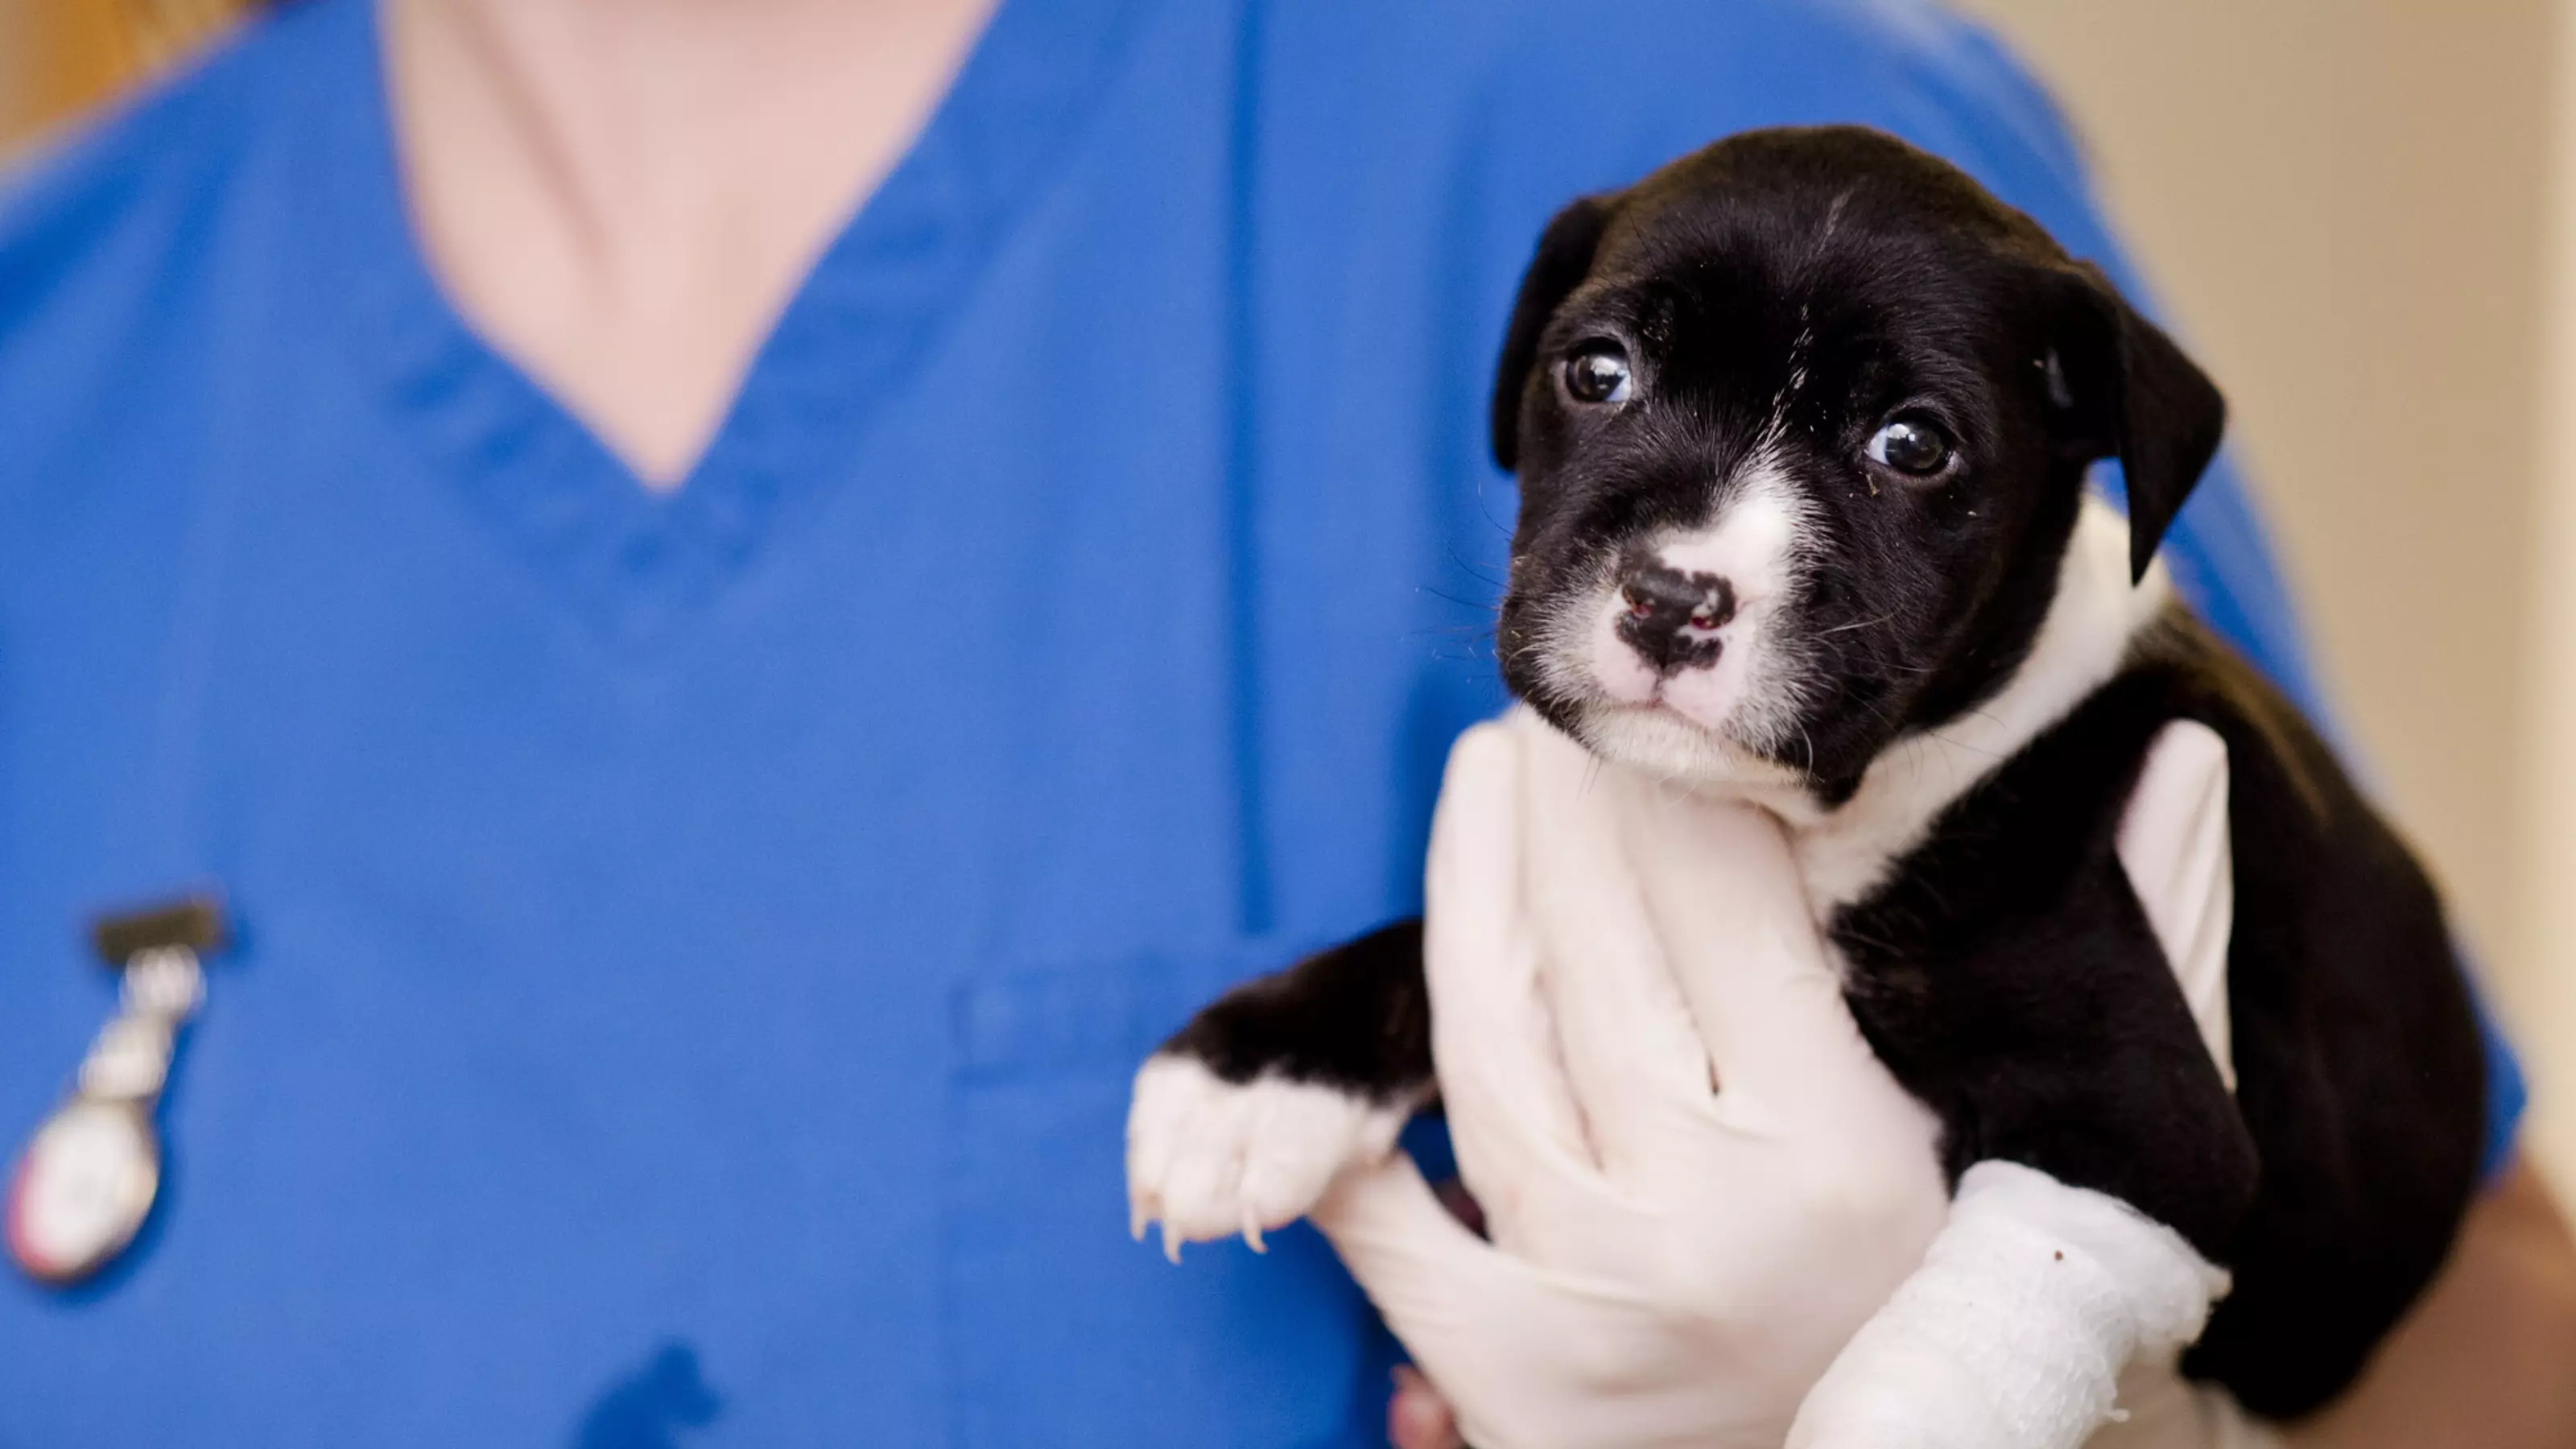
{"points": [[2159, 412], [1564, 257]]}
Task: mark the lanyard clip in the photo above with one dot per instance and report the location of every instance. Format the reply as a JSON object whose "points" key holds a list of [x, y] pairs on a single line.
{"points": [[86, 1181], [195, 924]]}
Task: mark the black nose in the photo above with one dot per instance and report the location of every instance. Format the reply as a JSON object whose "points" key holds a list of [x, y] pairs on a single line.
{"points": [[1673, 617]]}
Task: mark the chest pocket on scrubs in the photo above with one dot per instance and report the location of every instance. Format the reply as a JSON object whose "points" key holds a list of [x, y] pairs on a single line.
{"points": [[1063, 1330]]}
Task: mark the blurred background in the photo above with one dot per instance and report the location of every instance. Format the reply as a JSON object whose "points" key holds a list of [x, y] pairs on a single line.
{"points": [[2362, 215]]}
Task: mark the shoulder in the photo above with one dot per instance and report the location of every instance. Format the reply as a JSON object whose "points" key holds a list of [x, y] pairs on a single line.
{"points": [[1644, 82], [145, 158], [126, 239], [124, 184], [1476, 119]]}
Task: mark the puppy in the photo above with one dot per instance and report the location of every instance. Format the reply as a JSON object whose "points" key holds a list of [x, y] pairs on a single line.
{"points": [[1802, 424]]}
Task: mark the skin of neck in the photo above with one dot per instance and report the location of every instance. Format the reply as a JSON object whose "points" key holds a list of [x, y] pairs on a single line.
{"points": [[621, 196]]}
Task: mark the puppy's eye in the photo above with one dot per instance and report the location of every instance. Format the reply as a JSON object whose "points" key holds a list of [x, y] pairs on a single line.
{"points": [[1597, 372], [1912, 446]]}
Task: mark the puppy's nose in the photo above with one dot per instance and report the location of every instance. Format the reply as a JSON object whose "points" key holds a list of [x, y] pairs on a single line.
{"points": [[1673, 617]]}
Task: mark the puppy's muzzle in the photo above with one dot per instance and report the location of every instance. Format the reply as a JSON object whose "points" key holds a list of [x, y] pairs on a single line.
{"points": [[1673, 617]]}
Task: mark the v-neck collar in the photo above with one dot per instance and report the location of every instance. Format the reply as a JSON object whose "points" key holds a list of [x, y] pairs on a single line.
{"points": [[638, 562]]}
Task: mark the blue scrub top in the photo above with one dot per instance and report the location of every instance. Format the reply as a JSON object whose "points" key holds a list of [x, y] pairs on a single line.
{"points": [[694, 948]]}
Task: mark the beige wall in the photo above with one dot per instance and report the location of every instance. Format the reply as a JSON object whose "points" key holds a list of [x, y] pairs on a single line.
{"points": [[2342, 203], [16, 61], [2548, 833]]}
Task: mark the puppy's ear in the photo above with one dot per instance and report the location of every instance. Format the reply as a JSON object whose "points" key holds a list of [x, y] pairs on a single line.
{"points": [[2140, 397], [1564, 257]]}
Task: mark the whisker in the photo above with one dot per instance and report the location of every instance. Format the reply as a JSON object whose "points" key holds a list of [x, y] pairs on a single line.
{"points": [[1861, 624]]}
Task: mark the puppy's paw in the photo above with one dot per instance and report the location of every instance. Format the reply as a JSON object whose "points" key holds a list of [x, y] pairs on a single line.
{"points": [[1209, 1158]]}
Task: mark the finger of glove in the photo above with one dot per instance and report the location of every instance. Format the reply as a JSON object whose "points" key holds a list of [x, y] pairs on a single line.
{"points": [[1525, 1356], [1726, 900], [1510, 1114], [2174, 847], [1419, 1263], [1451, 1298], [1633, 1056]]}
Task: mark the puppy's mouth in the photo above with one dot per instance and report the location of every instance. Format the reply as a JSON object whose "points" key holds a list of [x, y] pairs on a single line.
{"points": [[1676, 652], [1675, 672]]}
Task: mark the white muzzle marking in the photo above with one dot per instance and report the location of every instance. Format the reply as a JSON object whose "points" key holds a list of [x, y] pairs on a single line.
{"points": [[1752, 545]]}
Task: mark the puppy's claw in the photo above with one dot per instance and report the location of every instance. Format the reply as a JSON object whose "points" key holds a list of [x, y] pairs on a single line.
{"points": [[1205, 1154]]}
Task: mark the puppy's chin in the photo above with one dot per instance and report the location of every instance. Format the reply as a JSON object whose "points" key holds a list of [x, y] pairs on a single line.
{"points": [[1658, 741]]}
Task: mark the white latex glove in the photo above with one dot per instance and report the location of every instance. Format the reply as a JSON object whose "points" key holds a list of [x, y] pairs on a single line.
{"points": [[1668, 1264]]}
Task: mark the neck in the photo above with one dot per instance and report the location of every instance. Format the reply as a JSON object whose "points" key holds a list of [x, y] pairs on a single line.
{"points": [[621, 195], [1845, 851]]}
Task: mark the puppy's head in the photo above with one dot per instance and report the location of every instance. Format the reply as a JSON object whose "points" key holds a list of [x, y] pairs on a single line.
{"points": [[1801, 423]]}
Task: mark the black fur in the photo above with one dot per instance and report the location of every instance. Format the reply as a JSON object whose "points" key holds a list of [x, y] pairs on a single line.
{"points": [[2006, 975], [1564, 255], [1782, 296], [1837, 277], [1357, 1016], [2165, 416]]}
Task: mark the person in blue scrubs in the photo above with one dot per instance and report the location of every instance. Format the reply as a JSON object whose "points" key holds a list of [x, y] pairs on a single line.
{"points": [[714, 814]]}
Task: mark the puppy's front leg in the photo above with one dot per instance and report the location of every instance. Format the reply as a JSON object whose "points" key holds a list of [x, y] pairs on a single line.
{"points": [[1240, 1121]]}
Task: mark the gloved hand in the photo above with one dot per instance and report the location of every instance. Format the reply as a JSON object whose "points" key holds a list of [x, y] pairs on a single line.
{"points": [[1667, 1264]]}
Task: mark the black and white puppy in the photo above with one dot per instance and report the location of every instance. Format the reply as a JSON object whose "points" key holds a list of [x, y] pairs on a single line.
{"points": [[1802, 424]]}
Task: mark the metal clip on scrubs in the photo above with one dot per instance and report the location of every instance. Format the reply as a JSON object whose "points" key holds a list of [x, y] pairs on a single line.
{"points": [[85, 1181]]}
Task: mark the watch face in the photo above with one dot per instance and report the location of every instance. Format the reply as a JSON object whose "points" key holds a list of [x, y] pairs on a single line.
{"points": [[82, 1188]]}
